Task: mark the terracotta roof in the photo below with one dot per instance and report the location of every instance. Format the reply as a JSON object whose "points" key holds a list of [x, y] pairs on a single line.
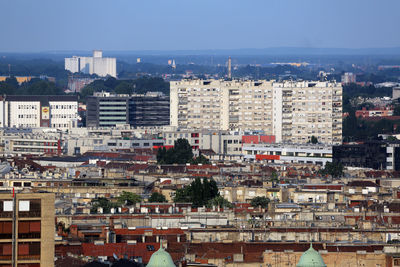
{"points": [[141, 231], [362, 184], [121, 249]]}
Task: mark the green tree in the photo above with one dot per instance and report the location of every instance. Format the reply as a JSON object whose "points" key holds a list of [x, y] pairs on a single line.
{"points": [[104, 203], [12, 82], [314, 140], [396, 111], [157, 198], [200, 160], [260, 201], [161, 154], [128, 198], [7, 89], [111, 83], [124, 88], [219, 201], [181, 153], [334, 169], [199, 192]]}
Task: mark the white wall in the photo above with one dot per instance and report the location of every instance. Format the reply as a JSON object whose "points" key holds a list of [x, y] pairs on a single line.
{"points": [[24, 114], [277, 114], [62, 113], [92, 65]]}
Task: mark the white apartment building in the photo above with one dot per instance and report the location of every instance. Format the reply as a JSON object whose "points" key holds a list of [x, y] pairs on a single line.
{"points": [[102, 66], [291, 111], [59, 112], [288, 153]]}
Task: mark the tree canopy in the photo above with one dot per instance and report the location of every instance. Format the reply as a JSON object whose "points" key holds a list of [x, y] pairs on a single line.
{"points": [[334, 169], [140, 85], [199, 160], [128, 198], [103, 203], [181, 153], [199, 192], [219, 201], [314, 140], [157, 198], [260, 201], [34, 87]]}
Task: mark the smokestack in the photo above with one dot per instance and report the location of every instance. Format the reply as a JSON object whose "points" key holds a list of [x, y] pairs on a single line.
{"points": [[229, 68]]}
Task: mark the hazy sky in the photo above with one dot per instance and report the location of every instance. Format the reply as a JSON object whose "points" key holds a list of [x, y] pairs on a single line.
{"points": [[43, 25]]}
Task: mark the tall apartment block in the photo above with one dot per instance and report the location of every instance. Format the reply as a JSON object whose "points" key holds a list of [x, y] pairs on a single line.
{"points": [[109, 110], [27, 229], [291, 111], [102, 66]]}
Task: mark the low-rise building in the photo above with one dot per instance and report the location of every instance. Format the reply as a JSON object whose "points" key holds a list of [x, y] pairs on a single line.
{"points": [[288, 153]]}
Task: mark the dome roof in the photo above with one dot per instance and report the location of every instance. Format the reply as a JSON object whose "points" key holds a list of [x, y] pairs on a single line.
{"points": [[161, 258], [311, 258]]}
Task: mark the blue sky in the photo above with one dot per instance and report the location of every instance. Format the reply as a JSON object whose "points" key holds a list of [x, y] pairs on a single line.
{"points": [[45, 25]]}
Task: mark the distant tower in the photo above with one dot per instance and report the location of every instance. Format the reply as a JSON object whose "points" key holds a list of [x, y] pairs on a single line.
{"points": [[173, 64], [97, 53], [229, 68]]}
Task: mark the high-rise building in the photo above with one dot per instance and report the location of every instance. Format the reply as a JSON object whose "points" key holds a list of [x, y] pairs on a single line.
{"points": [[27, 229], [291, 111], [139, 110], [102, 66]]}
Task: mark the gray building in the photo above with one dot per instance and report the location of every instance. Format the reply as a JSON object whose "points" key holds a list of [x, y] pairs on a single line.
{"points": [[108, 110], [395, 93]]}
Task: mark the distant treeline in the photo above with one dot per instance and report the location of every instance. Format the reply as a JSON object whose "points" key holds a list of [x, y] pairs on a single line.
{"points": [[355, 90], [35, 86], [356, 129], [139, 86], [34, 67]]}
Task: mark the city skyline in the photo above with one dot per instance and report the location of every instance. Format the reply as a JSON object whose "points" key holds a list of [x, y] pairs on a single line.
{"points": [[176, 25]]}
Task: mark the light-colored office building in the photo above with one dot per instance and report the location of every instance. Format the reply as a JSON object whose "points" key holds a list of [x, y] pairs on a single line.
{"points": [[59, 112], [102, 66], [291, 111]]}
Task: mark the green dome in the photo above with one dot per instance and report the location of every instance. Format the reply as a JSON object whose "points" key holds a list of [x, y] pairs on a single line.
{"points": [[311, 258], [161, 258]]}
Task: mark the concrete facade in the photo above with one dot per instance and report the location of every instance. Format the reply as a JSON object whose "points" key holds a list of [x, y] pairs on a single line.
{"points": [[292, 111], [102, 66], [33, 228], [40, 111]]}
